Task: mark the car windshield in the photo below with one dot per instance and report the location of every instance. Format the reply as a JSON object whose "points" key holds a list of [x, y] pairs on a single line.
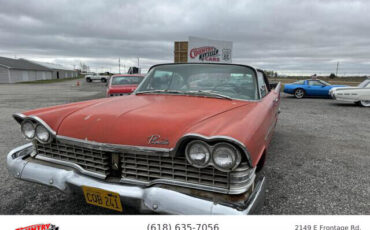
{"points": [[209, 80], [299, 82], [126, 80], [324, 82], [363, 84]]}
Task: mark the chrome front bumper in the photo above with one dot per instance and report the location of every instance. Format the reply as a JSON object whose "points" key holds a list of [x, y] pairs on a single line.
{"points": [[145, 199]]}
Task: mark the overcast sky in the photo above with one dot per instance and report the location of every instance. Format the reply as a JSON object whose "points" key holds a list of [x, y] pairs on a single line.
{"points": [[289, 36]]}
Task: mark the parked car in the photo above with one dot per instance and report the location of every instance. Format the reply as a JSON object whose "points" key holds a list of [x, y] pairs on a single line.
{"points": [[96, 76], [170, 147], [359, 95], [311, 88], [123, 84]]}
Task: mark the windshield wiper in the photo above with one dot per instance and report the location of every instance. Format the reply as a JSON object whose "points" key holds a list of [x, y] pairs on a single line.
{"points": [[206, 93], [209, 93], [160, 91]]}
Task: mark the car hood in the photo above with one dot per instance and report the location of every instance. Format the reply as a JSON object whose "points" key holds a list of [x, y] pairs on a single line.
{"points": [[342, 87], [134, 119]]}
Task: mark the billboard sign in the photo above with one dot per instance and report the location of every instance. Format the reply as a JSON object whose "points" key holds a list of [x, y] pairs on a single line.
{"points": [[207, 50]]}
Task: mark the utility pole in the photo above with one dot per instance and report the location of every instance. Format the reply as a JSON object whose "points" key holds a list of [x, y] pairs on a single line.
{"points": [[119, 65], [138, 62], [336, 72]]}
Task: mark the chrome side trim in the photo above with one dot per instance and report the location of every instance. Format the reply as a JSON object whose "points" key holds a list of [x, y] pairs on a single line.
{"points": [[72, 165], [278, 87], [215, 138], [19, 117], [35, 118], [114, 147]]}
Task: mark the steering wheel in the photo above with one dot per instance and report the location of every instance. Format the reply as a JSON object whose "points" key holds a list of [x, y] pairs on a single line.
{"points": [[226, 88]]}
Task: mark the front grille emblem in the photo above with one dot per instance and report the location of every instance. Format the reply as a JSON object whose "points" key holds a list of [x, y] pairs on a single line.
{"points": [[156, 140], [115, 161]]}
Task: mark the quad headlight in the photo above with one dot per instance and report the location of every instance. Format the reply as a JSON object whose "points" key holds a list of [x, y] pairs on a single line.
{"points": [[198, 154], [223, 156], [28, 129], [34, 130], [42, 134]]}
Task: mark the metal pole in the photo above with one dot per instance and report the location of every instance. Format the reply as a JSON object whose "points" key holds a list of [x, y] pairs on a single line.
{"points": [[336, 72], [119, 65]]}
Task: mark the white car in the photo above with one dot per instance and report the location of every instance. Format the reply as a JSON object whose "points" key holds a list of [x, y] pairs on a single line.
{"points": [[359, 95], [94, 76]]}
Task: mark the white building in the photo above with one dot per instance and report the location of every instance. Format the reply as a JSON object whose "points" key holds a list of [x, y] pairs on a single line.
{"points": [[18, 70], [59, 71]]}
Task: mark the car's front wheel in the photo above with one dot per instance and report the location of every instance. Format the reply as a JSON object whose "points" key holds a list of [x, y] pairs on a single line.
{"points": [[365, 103], [88, 79], [103, 80], [299, 93]]}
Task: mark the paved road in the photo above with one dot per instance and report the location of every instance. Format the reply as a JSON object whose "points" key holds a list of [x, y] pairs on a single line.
{"points": [[318, 161]]}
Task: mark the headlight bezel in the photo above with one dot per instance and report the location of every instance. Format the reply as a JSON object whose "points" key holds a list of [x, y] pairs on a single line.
{"points": [[46, 130], [236, 156], [34, 129], [35, 125], [191, 162]]}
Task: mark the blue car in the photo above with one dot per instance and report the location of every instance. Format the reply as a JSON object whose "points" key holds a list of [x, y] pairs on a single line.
{"points": [[310, 88]]}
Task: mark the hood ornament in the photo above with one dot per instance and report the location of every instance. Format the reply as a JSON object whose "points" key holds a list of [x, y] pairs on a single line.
{"points": [[156, 140]]}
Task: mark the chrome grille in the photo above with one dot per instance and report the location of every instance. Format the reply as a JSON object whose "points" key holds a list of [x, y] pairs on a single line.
{"points": [[89, 159], [147, 168]]}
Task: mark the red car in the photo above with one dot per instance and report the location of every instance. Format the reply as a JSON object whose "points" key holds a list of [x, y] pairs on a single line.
{"points": [[191, 139], [123, 84]]}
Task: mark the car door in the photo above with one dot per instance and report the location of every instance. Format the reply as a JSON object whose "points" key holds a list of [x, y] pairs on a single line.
{"points": [[270, 99], [316, 88]]}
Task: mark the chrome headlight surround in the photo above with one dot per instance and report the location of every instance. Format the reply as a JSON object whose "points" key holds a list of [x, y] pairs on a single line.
{"points": [[191, 157], [42, 134], [228, 152], [211, 155], [28, 124]]}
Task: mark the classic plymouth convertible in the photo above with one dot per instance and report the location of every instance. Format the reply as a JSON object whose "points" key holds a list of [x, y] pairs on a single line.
{"points": [[359, 95], [192, 139]]}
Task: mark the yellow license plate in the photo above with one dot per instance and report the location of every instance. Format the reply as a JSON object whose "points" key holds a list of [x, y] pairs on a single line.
{"points": [[102, 198]]}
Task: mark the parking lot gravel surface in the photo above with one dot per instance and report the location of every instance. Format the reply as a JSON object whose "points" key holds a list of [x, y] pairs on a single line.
{"points": [[317, 163]]}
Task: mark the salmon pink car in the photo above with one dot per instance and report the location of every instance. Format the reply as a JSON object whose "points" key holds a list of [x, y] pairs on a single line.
{"points": [[191, 139], [123, 84]]}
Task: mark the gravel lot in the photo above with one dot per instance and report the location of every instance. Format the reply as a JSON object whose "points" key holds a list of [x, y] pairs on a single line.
{"points": [[318, 161]]}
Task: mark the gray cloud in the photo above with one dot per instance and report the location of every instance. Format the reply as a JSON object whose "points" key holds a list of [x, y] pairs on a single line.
{"points": [[289, 36]]}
